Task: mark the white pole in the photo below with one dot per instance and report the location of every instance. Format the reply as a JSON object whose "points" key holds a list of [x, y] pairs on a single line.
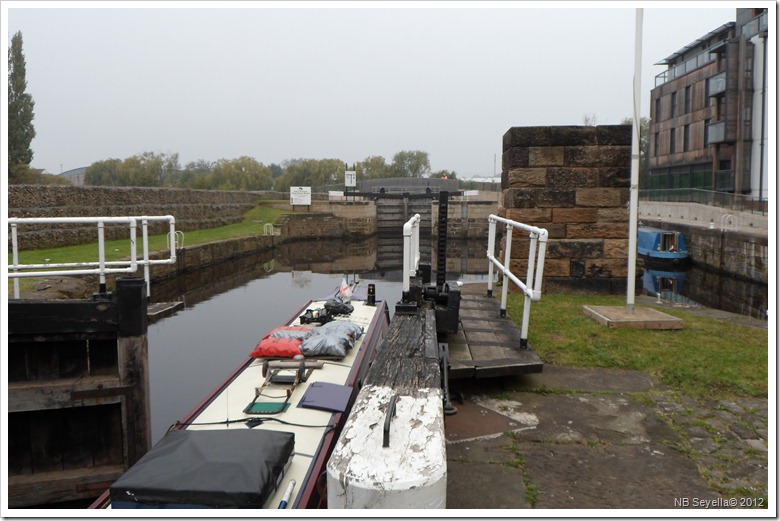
{"points": [[633, 208]]}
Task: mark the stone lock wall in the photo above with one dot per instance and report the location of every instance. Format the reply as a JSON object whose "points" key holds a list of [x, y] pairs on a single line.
{"points": [[574, 181]]}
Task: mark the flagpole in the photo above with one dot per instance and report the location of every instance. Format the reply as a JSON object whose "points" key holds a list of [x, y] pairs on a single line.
{"points": [[633, 208]]}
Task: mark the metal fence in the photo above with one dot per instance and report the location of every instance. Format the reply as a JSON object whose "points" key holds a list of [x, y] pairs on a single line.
{"points": [[101, 267], [736, 202]]}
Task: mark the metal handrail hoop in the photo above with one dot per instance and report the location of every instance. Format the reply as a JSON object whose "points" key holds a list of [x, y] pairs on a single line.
{"points": [[531, 288]]}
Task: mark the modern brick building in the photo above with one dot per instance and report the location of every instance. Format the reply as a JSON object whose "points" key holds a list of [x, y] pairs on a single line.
{"points": [[708, 112]]}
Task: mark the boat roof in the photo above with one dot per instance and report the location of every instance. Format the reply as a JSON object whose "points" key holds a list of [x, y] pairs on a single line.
{"points": [[224, 410]]}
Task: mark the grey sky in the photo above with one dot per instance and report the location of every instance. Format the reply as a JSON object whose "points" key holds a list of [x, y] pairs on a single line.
{"points": [[341, 83]]}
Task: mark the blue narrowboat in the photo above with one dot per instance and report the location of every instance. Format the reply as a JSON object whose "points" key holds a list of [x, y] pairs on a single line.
{"points": [[661, 247]]}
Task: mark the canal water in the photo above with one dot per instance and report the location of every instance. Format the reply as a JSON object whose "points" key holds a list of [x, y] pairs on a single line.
{"points": [[229, 307]]}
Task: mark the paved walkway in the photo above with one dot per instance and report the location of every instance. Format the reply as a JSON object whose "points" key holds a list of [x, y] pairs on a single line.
{"points": [[602, 439]]}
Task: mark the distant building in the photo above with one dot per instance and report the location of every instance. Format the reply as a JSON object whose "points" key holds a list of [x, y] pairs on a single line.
{"points": [[708, 112], [75, 176]]}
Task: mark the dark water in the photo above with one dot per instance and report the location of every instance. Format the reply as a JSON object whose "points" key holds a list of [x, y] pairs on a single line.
{"points": [[229, 307], [696, 286]]}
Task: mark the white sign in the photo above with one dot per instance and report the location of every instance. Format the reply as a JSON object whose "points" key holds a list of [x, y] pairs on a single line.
{"points": [[350, 178], [300, 195]]}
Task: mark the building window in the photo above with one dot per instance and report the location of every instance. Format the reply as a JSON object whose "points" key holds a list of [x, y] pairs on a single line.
{"points": [[674, 104], [657, 110], [671, 141], [706, 93], [688, 99], [686, 137], [656, 144]]}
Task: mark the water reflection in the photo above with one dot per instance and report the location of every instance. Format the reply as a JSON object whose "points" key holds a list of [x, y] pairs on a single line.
{"points": [[229, 306], [696, 286]]}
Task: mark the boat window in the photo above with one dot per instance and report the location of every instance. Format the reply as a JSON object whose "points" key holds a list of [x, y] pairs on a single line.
{"points": [[668, 242]]}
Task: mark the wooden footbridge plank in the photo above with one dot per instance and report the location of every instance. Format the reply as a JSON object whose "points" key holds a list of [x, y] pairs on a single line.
{"points": [[487, 345]]}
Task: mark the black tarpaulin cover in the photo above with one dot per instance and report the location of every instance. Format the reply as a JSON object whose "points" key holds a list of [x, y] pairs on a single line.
{"points": [[219, 468]]}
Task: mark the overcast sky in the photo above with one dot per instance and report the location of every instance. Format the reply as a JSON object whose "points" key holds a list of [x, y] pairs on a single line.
{"points": [[345, 83]]}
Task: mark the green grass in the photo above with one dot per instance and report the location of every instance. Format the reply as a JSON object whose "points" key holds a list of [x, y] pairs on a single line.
{"points": [[707, 358]]}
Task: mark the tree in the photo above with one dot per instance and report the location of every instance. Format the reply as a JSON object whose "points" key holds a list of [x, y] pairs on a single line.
{"points": [[589, 120], [408, 163], [20, 107], [444, 174], [372, 167], [644, 147]]}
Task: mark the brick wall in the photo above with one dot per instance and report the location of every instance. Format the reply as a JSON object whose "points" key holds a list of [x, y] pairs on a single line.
{"points": [[574, 181]]}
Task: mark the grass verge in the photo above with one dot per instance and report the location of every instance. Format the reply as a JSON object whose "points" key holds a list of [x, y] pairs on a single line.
{"points": [[707, 358]]}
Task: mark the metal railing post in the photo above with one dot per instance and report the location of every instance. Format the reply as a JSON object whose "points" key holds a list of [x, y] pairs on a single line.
{"points": [[102, 256], [15, 248], [507, 257], [145, 235], [490, 249]]}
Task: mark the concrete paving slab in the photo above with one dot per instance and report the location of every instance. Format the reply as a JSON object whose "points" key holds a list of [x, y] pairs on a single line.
{"points": [[617, 317], [466, 488], [647, 476]]}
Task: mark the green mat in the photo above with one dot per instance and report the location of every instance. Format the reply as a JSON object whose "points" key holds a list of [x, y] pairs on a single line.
{"points": [[266, 408]]}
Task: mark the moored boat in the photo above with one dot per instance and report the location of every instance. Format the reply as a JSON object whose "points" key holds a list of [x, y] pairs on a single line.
{"points": [[262, 438], [661, 247]]}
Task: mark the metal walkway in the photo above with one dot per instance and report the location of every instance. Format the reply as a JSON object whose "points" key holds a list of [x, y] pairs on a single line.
{"points": [[486, 345]]}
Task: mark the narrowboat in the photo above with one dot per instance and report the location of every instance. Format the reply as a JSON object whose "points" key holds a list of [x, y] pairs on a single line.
{"points": [[661, 247], [263, 437]]}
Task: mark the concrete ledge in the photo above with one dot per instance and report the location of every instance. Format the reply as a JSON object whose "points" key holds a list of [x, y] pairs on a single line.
{"points": [[617, 317]]}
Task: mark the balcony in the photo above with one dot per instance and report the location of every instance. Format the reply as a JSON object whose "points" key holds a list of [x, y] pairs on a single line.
{"points": [[716, 132], [716, 85], [755, 26]]}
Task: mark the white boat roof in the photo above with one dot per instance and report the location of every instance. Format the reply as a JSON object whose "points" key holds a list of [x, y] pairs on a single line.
{"points": [[226, 410]]}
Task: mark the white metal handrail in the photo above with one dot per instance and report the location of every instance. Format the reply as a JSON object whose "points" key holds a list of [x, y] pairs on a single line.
{"points": [[532, 287], [411, 259], [101, 267]]}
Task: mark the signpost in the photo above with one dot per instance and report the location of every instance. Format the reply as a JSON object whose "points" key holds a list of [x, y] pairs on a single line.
{"points": [[300, 195]]}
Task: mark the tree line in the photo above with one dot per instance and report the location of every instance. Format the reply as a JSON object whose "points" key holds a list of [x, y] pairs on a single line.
{"points": [[246, 173]]}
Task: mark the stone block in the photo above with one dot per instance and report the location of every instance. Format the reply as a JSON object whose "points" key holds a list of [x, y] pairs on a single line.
{"points": [[519, 198], [607, 268], [597, 156], [573, 136], [574, 215], [575, 249], [527, 177], [526, 137], [545, 156], [616, 214], [572, 178], [552, 268], [515, 157], [531, 216], [615, 248], [598, 197], [556, 230], [614, 134], [614, 177], [556, 198], [504, 179], [597, 231]]}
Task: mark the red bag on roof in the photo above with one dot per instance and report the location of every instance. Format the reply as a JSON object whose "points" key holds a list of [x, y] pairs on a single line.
{"points": [[282, 342]]}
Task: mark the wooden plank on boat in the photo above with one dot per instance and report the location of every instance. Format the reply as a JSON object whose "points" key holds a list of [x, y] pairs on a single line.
{"points": [[408, 357], [486, 344]]}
